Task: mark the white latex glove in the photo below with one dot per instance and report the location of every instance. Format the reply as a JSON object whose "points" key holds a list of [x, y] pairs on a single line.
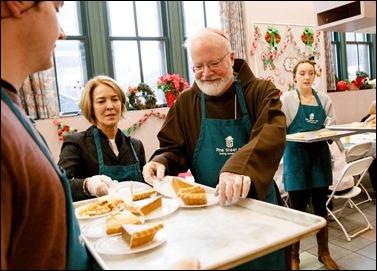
{"points": [[187, 264], [231, 187], [153, 172], [99, 185]]}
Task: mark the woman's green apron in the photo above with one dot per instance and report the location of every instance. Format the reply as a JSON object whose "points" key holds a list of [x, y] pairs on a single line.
{"points": [[77, 257], [120, 173], [297, 175], [218, 140]]}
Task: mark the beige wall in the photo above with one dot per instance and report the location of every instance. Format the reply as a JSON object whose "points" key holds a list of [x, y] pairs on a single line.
{"points": [[147, 132]]}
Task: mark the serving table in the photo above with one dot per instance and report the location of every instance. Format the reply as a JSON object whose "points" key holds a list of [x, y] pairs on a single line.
{"points": [[220, 236]]}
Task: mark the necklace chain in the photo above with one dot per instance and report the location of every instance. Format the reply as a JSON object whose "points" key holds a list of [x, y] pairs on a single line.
{"points": [[235, 106], [307, 100]]}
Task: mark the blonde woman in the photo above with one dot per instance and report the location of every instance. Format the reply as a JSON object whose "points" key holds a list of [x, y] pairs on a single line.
{"points": [[94, 158]]}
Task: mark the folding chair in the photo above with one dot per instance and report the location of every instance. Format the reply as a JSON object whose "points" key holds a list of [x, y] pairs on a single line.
{"points": [[358, 167], [356, 152]]}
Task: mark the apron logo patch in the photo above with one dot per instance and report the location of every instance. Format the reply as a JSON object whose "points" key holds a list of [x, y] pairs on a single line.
{"points": [[311, 119], [229, 150]]}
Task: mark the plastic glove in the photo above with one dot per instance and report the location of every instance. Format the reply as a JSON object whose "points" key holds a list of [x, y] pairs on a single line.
{"points": [[187, 264], [231, 187], [99, 185], [153, 171]]}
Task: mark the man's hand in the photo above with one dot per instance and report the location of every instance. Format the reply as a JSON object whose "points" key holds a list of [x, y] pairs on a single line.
{"points": [[153, 171], [231, 187]]}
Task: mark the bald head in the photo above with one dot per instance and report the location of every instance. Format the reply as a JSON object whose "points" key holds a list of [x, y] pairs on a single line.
{"points": [[208, 38]]}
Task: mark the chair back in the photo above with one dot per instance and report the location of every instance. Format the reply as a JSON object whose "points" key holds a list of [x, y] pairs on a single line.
{"points": [[358, 151], [356, 168]]}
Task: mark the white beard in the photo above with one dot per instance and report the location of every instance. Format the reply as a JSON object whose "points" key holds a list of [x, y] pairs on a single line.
{"points": [[212, 88]]}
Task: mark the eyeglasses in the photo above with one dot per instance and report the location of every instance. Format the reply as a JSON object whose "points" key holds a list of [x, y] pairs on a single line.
{"points": [[211, 66]]}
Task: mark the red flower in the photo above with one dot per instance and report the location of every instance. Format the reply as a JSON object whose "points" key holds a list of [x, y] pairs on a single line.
{"points": [[172, 83]]}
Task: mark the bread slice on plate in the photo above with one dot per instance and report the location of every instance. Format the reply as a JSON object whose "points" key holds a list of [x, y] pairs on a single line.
{"points": [[177, 185], [193, 198], [114, 221], [144, 206], [138, 235], [143, 195]]}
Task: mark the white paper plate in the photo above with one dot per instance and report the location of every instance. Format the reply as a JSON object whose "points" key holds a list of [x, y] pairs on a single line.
{"points": [[97, 228], [123, 189], [78, 209], [168, 206], [211, 200], [165, 188], [115, 245]]}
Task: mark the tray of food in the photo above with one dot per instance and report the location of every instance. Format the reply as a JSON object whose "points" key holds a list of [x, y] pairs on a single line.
{"points": [[319, 135], [357, 126], [243, 232]]}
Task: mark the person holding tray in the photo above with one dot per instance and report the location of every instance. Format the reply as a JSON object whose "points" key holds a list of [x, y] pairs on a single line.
{"points": [[228, 129], [307, 170]]}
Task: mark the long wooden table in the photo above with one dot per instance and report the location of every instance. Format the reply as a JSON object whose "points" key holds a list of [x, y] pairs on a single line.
{"points": [[221, 237]]}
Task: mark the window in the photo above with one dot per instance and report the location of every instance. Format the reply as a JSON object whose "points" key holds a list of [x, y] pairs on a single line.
{"points": [[130, 41], [206, 14], [353, 52], [70, 58]]}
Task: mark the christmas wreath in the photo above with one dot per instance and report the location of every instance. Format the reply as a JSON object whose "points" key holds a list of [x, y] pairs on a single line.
{"points": [[272, 36], [141, 97]]}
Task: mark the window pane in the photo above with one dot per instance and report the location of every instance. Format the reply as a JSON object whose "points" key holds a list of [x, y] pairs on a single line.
{"points": [[70, 19], [126, 63], [71, 72], [352, 61], [148, 19], [364, 64], [154, 65], [208, 17], [193, 9], [213, 14], [121, 18]]}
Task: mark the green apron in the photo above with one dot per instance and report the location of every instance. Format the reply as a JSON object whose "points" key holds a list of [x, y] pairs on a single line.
{"points": [[218, 140], [77, 257], [120, 173], [307, 165]]}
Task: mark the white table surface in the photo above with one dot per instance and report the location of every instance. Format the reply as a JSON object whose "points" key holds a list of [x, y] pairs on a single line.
{"points": [[221, 237]]}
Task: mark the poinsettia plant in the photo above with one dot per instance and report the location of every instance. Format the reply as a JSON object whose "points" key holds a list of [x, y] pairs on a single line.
{"points": [[172, 83]]}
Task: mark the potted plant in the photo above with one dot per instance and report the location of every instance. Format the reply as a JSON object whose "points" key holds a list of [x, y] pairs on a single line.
{"points": [[172, 85]]}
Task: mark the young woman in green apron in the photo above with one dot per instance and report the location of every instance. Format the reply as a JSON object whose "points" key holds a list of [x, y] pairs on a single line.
{"points": [[307, 171], [94, 158]]}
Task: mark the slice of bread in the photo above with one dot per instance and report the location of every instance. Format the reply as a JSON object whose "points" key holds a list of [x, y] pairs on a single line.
{"points": [[138, 235], [193, 189], [143, 195], [193, 198], [177, 184], [144, 206], [114, 221]]}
